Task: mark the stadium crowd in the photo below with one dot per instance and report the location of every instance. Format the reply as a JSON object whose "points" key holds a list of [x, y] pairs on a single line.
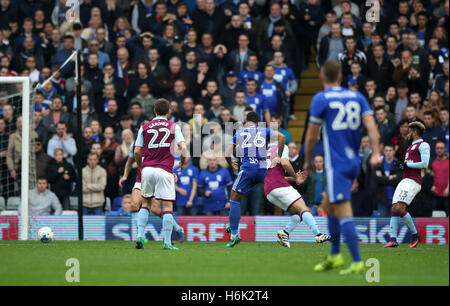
{"points": [[215, 60]]}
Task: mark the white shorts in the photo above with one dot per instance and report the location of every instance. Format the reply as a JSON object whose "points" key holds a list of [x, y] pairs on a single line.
{"points": [[283, 197], [137, 185], [158, 183], [405, 192]]}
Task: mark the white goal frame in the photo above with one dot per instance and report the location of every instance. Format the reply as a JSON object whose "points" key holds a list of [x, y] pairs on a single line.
{"points": [[25, 171]]}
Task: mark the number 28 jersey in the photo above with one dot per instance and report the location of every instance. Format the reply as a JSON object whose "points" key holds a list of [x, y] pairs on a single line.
{"points": [[157, 139], [340, 111], [251, 145]]}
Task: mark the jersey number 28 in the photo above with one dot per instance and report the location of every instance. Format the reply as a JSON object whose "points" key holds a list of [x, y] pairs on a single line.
{"points": [[348, 116]]}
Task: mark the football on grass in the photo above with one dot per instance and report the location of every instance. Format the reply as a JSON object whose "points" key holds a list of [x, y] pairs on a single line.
{"points": [[45, 234]]}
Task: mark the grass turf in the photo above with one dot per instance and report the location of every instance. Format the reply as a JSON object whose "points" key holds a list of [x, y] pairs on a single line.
{"points": [[210, 263]]}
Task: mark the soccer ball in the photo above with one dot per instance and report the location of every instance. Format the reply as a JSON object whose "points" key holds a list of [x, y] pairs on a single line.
{"points": [[45, 234]]}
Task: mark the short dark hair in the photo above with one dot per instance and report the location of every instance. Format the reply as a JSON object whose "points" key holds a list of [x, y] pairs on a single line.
{"points": [[252, 117], [331, 71], [428, 113], [162, 107], [380, 108], [42, 178]]}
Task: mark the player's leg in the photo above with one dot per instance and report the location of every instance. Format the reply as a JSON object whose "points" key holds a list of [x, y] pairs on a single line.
{"points": [[147, 194], [156, 209], [305, 216], [334, 259], [142, 220], [168, 221], [344, 213], [136, 198], [235, 217], [165, 192], [405, 192], [288, 199]]}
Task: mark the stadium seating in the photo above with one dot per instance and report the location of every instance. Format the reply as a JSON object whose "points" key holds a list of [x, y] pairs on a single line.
{"points": [[439, 214], [74, 203], [107, 205], [69, 213], [9, 213], [13, 203], [2, 203]]}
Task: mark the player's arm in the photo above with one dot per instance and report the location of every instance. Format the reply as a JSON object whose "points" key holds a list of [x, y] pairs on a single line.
{"points": [[127, 170], [181, 143], [229, 154], [281, 143], [138, 148], [193, 192], [374, 137], [424, 150], [312, 136], [138, 157]]}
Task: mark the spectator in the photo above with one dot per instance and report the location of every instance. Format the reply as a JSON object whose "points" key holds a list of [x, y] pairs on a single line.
{"points": [[109, 147], [4, 139], [146, 100], [331, 45], [400, 141], [274, 95], [315, 184], [384, 178], [229, 89], [443, 116], [214, 182], [125, 207], [60, 175], [402, 100], [432, 133], [62, 141], [57, 115], [238, 57], [14, 155], [277, 123], [96, 130], [239, 107], [137, 115], [122, 151], [188, 110], [42, 201], [214, 112], [351, 54], [42, 159], [386, 127], [94, 183], [250, 71], [441, 180], [186, 188], [380, 69], [111, 117]]}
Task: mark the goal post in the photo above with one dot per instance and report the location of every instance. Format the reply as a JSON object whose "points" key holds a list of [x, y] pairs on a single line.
{"points": [[25, 105]]}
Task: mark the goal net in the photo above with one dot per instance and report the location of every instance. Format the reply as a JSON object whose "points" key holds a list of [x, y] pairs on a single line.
{"points": [[17, 151]]}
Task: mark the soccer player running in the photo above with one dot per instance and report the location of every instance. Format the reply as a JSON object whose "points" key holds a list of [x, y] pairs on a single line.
{"points": [[251, 144], [154, 155], [417, 158], [340, 112], [279, 192], [136, 199]]}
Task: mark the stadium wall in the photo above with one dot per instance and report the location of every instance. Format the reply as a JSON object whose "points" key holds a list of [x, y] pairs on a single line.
{"points": [[199, 228]]}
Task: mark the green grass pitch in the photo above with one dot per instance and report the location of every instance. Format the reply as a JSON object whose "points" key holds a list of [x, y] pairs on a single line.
{"points": [[210, 263]]}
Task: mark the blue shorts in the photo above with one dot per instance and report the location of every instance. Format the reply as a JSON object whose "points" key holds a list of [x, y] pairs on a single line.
{"points": [[340, 181], [248, 178]]}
